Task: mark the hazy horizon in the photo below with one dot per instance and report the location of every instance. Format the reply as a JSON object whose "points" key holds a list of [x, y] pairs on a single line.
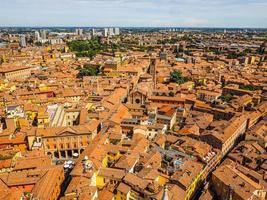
{"points": [[134, 27], [134, 13]]}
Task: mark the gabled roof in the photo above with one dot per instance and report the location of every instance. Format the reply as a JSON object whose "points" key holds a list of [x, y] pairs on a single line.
{"points": [[67, 131]]}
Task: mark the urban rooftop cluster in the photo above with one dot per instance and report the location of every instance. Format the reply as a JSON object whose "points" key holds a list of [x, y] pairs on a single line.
{"points": [[121, 114]]}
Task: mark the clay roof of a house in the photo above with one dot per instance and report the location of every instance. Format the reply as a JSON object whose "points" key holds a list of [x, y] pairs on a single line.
{"points": [[32, 162], [135, 181], [111, 173], [241, 184], [45, 187], [189, 171]]}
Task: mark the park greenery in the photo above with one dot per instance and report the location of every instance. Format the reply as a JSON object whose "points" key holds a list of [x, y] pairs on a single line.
{"points": [[177, 77], [88, 70], [89, 48], [86, 48]]}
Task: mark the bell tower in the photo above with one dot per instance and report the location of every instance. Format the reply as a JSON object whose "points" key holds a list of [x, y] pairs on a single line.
{"points": [[152, 70]]}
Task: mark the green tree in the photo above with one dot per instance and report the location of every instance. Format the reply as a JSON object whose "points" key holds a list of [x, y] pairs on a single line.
{"points": [[247, 87], [86, 48], [177, 77], [88, 70]]}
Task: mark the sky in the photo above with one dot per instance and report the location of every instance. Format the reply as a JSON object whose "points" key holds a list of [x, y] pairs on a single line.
{"points": [[135, 13]]}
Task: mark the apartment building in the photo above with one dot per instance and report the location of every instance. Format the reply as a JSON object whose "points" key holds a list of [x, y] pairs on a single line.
{"points": [[15, 72]]}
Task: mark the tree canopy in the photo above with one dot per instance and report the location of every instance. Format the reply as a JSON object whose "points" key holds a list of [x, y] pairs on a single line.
{"points": [[177, 77], [247, 87], [88, 70], [86, 48]]}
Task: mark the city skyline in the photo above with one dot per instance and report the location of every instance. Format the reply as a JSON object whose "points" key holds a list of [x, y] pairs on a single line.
{"points": [[140, 13]]}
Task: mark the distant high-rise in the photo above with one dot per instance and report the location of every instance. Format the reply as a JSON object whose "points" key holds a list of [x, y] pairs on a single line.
{"points": [[23, 41], [44, 34], [106, 32], [79, 31], [111, 31], [117, 31], [93, 32], [37, 35]]}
